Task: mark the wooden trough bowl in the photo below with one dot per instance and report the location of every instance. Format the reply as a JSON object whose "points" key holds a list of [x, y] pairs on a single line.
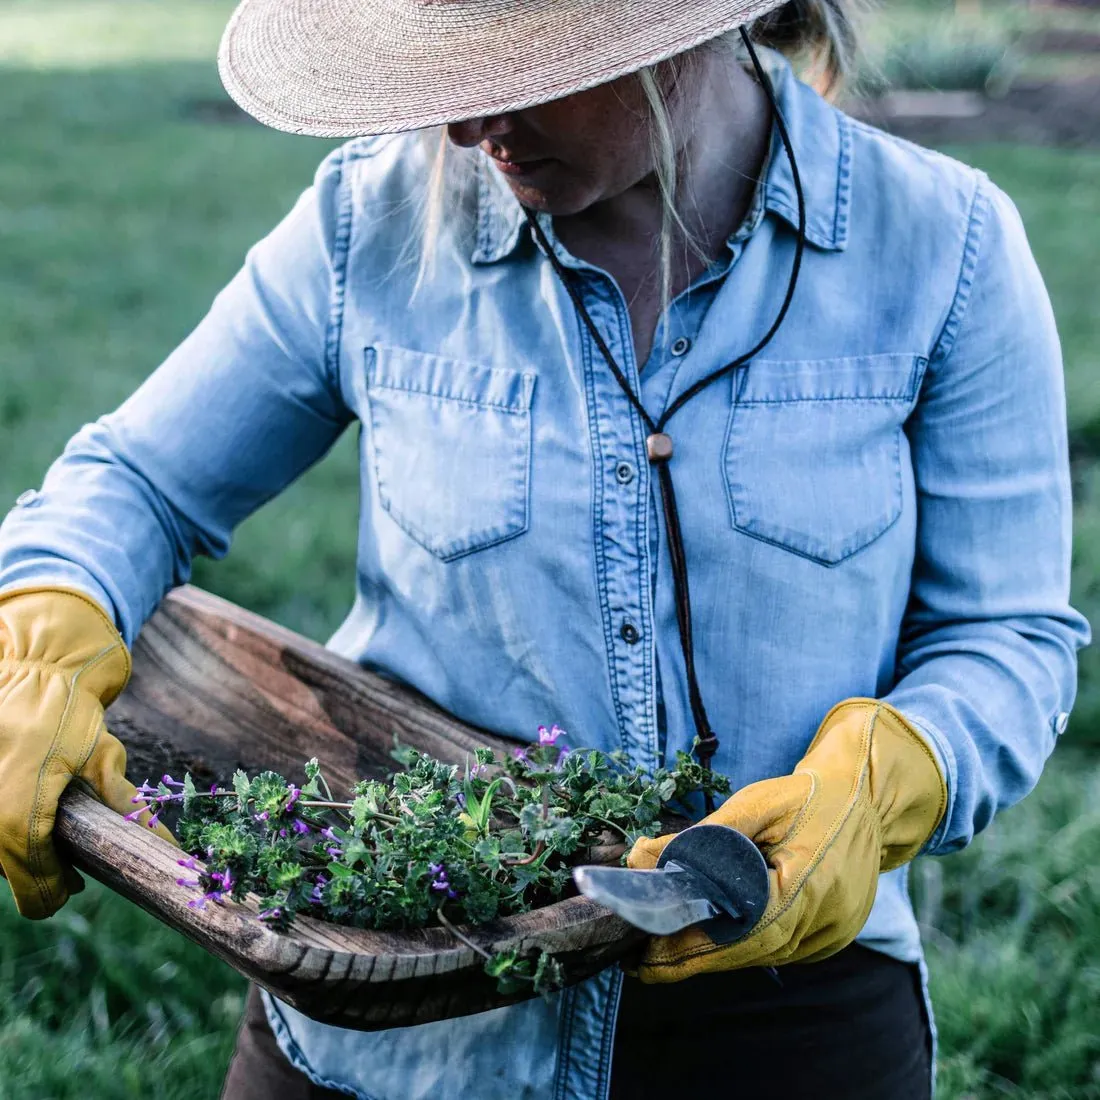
{"points": [[216, 688]]}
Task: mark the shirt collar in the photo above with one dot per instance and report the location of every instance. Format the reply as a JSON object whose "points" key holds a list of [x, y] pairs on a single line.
{"points": [[820, 136]]}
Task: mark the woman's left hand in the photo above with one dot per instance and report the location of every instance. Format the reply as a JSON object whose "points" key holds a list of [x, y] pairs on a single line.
{"points": [[864, 799]]}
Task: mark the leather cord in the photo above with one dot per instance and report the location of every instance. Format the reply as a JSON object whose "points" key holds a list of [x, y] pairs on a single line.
{"points": [[659, 445]]}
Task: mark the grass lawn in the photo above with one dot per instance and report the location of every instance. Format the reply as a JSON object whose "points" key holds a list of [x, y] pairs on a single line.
{"points": [[121, 213]]}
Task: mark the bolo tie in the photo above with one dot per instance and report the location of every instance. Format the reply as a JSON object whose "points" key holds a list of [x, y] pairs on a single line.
{"points": [[659, 446]]}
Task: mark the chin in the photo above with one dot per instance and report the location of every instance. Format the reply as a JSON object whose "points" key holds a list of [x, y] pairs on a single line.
{"points": [[546, 199]]}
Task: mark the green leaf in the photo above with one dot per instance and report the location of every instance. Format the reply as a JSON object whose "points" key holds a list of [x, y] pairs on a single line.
{"points": [[189, 792], [242, 785]]}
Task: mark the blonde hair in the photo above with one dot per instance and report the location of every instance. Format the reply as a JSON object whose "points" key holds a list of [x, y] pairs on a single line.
{"points": [[820, 37]]}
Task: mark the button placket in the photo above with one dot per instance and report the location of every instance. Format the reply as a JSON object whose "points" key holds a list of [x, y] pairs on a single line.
{"points": [[622, 525]]}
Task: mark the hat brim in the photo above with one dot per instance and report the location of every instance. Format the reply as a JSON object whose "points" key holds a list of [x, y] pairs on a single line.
{"points": [[349, 68]]}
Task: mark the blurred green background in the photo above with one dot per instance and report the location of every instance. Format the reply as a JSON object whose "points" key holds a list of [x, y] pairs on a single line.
{"points": [[128, 194]]}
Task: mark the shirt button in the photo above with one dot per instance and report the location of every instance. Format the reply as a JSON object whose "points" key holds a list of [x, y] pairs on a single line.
{"points": [[1061, 721], [625, 473], [25, 500], [680, 346], [629, 633]]}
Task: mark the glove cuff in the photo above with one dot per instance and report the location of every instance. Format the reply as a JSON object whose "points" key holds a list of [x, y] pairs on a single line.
{"points": [[66, 631], [902, 778]]}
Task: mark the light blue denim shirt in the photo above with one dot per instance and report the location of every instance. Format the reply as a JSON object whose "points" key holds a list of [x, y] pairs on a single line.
{"points": [[878, 506]]}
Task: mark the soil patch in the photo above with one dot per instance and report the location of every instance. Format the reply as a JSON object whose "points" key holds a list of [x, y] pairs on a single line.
{"points": [[1057, 112]]}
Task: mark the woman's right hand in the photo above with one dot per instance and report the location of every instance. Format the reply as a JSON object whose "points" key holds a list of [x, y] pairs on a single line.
{"points": [[61, 663]]}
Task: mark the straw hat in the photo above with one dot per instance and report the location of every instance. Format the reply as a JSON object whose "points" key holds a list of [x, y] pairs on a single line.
{"points": [[344, 68]]}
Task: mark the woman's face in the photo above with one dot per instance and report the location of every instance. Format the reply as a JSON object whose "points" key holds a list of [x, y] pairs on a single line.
{"points": [[562, 157]]}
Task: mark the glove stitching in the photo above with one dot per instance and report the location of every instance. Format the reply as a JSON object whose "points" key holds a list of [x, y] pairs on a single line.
{"points": [[803, 815], [34, 845]]}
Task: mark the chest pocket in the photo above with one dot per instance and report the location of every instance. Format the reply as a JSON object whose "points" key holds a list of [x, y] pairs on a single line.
{"points": [[452, 448], [813, 451]]}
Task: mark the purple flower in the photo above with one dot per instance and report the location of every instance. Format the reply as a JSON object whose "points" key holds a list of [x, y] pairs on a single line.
{"points": [[197, 903], [152, 822], [135, 814], [440, 882], [261, 817], [328, 834], [318, 886], [168, 781], [282, 834], [190, 863], [334, 853], [224, 880], [271, 914], [213, 788], [520, 754], [295, 794], [192, 882], [460, 800], [550, 736], [299, 826]]}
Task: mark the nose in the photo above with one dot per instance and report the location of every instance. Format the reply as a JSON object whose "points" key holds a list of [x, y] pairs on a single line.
{"points": [[474, 131]]}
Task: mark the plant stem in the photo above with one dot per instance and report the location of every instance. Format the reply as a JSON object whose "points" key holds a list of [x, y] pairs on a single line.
{"points": [[539, 849], [459, 936], [610, 824], [347, 806]]}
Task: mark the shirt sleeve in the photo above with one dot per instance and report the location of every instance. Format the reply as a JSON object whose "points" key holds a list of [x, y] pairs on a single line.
{"points": [[987, 656], [244, 405]]}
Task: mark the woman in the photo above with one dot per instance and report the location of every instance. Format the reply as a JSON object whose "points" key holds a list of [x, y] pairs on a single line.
{"points": [[658, 322]]}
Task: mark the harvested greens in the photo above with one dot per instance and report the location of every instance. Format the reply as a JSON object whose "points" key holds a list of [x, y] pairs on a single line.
{"points": [[439, 843]]}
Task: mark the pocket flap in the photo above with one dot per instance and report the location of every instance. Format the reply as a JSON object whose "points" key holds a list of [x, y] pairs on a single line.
{"points": [[886, 377], [419, 372]]}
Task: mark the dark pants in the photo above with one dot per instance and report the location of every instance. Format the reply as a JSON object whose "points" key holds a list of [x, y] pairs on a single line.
{"points": [[850, 1028]]}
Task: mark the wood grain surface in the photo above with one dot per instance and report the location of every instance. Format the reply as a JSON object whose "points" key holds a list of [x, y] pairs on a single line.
{"points": [[215, 688]]}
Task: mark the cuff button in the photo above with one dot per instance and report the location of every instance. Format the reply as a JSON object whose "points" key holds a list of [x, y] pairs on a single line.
{"points": [[1061, 721]]}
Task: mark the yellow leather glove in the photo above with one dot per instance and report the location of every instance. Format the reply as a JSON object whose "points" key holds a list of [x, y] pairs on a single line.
{"points": [[61, 663], [864, 799]]}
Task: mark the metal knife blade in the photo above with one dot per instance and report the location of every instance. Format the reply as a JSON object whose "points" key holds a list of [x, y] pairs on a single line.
{"points": [[658, 902], [710, 875]]}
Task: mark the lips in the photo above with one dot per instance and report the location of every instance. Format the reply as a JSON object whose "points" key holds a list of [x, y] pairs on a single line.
{"points": [[510, 163], [520, 167]]}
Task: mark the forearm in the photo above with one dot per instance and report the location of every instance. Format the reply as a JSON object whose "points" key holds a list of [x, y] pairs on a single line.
{"points": [[100, 525]]}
